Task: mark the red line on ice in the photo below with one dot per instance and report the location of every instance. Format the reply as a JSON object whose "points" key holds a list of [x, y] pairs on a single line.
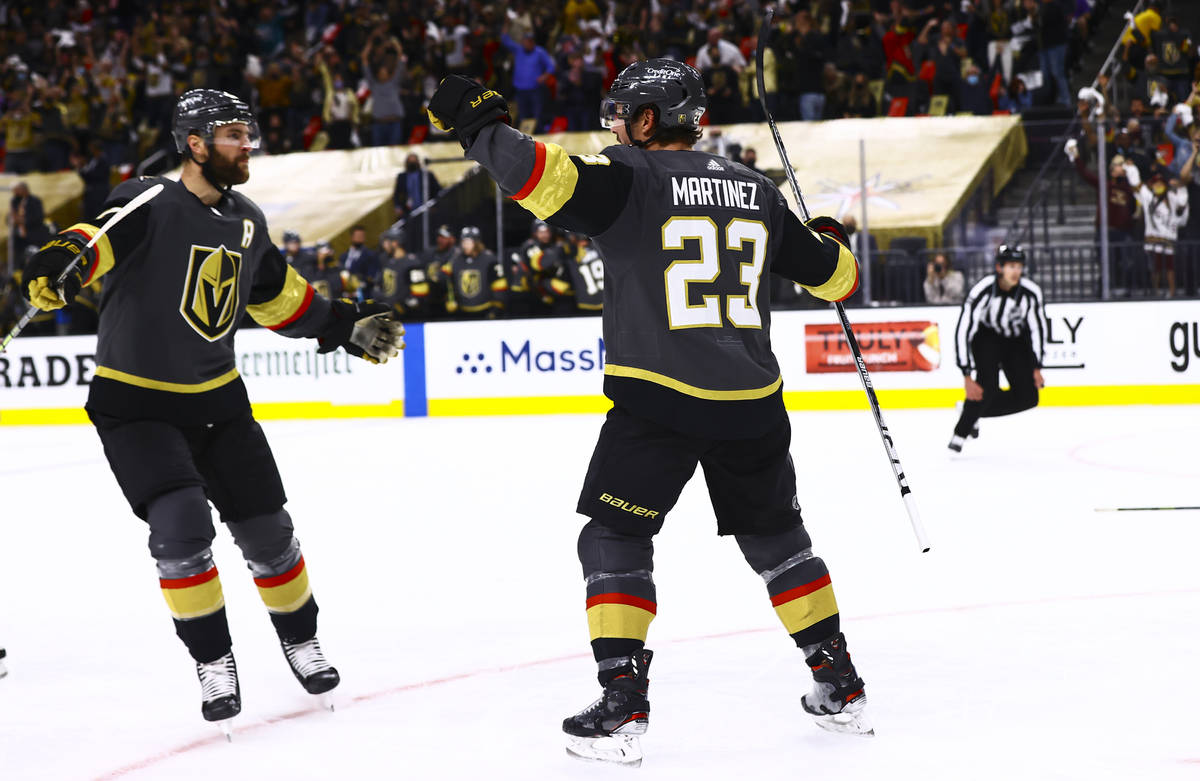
{"points": [[268, 722]]}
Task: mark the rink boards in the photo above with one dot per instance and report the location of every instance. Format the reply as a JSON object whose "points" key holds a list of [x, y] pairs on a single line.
{"points": [[1096, 353]]}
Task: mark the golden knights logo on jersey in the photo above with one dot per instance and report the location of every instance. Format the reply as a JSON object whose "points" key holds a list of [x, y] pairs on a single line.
{"points": [[390, 283], [470, 283], [210, 297]]}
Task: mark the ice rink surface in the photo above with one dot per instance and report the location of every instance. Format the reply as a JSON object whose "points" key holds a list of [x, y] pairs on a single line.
{"points": [[1039, 639]]}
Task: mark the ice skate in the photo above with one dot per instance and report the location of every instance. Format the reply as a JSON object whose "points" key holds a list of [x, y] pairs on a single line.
{"points": [[221, 694], [314, 672], [608, 729], [838, 697], [956, 443]]}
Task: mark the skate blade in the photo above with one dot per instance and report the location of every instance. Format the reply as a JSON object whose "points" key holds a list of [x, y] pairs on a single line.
{"points": [[852, 721], [327, 701], [226, 727], [624, 750]]}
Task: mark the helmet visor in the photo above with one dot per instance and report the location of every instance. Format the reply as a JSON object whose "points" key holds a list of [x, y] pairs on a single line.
{"points": [[237, 133], [613, 112]]}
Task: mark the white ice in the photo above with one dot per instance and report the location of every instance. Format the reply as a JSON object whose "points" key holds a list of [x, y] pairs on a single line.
{"points": [[1039, 639]]}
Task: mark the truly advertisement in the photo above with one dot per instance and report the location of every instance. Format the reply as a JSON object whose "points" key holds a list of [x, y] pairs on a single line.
{"points": [[903, 346]]}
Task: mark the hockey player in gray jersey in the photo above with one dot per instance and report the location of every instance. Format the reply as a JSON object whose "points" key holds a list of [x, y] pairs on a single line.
{"points": [[166, 399], [686, 238]]}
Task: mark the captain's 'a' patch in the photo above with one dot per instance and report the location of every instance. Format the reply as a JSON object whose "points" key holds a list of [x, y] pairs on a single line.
{"points": [[210, 297]]}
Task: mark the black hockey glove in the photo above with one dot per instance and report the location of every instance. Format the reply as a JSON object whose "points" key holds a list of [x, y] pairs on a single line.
{"points": [[364, 330], [464, 106], [44, 268], [831, 227]]}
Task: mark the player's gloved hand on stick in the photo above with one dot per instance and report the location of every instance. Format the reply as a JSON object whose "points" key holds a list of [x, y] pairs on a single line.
{"points": [[464, 106], [831, 227], [363, 330], [44, 269]]}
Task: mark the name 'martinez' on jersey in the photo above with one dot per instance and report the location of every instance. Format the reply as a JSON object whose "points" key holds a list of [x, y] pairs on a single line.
{"points": [[714, 191]]}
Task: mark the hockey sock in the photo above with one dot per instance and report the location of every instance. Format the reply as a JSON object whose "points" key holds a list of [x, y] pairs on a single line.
{"points": [[620, 595], [798, 584], [192, 590], [283, 585]]}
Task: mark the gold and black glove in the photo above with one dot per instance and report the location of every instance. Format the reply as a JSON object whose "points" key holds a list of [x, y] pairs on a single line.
{"points": [[465, 106], [48, 264], [830, 226]]}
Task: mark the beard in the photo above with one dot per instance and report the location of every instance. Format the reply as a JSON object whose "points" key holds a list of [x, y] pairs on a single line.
{"points": [[223, 173]]}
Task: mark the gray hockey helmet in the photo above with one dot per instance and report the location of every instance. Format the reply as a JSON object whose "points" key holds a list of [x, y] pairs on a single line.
{"points": [[290, 236], [201, 111], [471, 232], [1013, 254], [674, 89]]}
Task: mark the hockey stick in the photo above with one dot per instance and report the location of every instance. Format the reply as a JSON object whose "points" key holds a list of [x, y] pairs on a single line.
{"points": [[121, 214], [905, 492], [1142, 509]]}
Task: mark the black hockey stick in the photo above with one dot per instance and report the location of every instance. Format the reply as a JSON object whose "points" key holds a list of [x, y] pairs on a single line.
{"points": [[905, 492], [121, 214]]}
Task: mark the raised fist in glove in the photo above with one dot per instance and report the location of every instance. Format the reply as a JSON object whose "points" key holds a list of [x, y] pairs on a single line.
{"points": [[1072, 149], [831, 227], [464, 106], [44, 268], [364, 330]]}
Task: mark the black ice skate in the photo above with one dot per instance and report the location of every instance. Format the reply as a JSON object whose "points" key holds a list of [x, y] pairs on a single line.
{"points": [[220, 692], [310, 667], [838, 696], [608, 729]]}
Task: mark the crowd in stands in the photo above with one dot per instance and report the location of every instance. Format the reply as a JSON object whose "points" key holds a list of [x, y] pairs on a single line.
{"points": [[93, 84]]}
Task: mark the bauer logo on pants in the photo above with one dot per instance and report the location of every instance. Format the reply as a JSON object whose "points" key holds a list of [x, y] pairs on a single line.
{"points": [[210, 297], [911, 346]]}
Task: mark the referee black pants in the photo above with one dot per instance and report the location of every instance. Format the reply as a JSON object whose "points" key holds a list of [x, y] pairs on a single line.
{"points": [[991, 352]]}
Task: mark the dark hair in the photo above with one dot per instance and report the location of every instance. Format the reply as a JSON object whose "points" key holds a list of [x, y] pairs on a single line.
{"points": [[359, 228], [672, 135]]}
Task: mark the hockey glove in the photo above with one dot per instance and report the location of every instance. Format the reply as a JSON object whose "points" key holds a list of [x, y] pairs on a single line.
{"points": [[829, 226], [364, 330], [464, 106], [45, 267]]}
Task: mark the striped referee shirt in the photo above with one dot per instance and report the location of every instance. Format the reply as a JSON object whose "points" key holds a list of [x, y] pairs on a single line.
{"points": [[1012, 314]]}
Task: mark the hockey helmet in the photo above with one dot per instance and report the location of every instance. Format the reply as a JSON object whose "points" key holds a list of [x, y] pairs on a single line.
{"points": [[290, 236], [471, 232], [201, 111], [1013, 254], [394, 233], [445, 230], [674, 89]]}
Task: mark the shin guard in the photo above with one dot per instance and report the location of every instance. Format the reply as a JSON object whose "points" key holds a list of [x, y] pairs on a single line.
{"points": [[620, 595], [192, 590], [283, 585], [798, 583]]}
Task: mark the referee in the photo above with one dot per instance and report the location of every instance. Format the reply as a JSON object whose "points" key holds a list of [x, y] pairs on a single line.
{"points": [[1002, 325]]}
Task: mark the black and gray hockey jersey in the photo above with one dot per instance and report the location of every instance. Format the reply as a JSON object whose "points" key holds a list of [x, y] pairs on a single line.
{"points": [[476, 283], [1016, 313], [686, 239], [584, 270], [180, 277], [404, 284]]}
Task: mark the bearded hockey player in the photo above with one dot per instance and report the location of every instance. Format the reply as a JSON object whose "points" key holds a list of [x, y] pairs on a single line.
{"points": [[167, 402], [686, 238]]}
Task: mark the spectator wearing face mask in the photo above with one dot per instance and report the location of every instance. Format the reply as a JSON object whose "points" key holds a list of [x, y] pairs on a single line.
{"points": [[340, 109], [943, 284], [1122, 211], [973, 95]]}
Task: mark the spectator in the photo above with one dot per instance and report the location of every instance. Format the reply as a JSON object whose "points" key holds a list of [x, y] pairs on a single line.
{"points": [[1176, 130], [340, 110], [361, 264], [721, 87], [806, 54], [384, 80], [748, 80], [750, 159], [95, 171], [1122, 211], [1166, 210], [580, 90], [943, 283], [27, 221], [1136, 41], [1016, 98], [973, 95], [947, 54], [1050, 27], [532, 68], [577, 11], [718, 51], [861, 101], [412, 186], [1151, 86], [18, 124], [1173, 49]]}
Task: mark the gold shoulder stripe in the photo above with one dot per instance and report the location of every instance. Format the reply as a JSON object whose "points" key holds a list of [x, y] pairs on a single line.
{"points": [[691, 390], [844, 279], [170, 387], [555, 186], [293, 297], [104, 253]]}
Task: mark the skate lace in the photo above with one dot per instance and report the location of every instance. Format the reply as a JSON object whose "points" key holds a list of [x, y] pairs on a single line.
{"points": [[217, 679], [306, 658]]}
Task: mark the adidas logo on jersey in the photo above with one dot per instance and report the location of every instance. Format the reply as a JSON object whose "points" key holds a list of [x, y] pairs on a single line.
{"points": [[713, 165]]}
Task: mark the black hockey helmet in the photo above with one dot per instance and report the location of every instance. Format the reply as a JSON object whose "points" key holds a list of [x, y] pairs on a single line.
{"points": [[674, 89], [1013, 254], [394, 233], [290, 236], [471, 232], [201, 111]]}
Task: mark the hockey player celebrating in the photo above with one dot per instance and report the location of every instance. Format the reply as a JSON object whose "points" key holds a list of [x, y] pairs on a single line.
{"points": [[1002, 325], [686, 238], [166, 399]]}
